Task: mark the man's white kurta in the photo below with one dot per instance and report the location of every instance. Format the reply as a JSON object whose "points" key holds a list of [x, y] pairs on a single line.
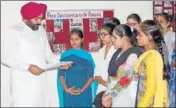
{"points": [[22, 48]]}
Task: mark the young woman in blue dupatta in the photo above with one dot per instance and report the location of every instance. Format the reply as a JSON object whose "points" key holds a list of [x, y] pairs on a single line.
{"points": [[74, 84]]}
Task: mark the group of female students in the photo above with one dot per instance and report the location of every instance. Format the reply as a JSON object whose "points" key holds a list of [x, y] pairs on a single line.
{"points": [[131, 69]]}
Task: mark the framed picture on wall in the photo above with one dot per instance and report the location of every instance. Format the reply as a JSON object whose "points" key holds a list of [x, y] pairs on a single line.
{"points": [[158, 9], [158, 2], [168, 3]]}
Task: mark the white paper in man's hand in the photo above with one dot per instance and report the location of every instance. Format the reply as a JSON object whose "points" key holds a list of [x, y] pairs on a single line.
{"points": [[56, 66]]}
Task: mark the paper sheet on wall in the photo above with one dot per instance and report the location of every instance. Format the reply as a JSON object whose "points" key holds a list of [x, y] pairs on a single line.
{"points": [[93, 25], [58, 25], [59, 48], [106, 20], [76, 23]]}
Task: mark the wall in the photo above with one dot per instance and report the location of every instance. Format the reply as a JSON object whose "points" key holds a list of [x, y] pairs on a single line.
{"points": [[121, 8]]}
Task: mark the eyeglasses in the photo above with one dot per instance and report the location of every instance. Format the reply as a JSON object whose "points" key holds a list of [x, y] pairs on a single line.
{"points": [[102, 35]]}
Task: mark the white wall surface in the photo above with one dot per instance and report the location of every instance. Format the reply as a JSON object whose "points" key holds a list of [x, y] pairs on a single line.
{"points": [[10, 14]]}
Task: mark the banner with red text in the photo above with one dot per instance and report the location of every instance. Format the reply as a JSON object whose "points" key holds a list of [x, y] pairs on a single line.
{"points": [[74, 14]]}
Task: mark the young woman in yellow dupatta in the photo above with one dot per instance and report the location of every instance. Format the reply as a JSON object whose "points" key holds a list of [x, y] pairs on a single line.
{"points": [[152, 67]]}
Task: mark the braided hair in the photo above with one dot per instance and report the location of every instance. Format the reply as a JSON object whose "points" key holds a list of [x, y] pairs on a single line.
{"points": [[151, 27]]}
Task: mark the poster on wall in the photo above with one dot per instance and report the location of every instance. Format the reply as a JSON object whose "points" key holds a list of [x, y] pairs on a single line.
{"points": [[158, 9], [76, 23], [93, 25], [106, 20], [60, 22], [168, 3], [59, 48], [58, 25], [158, 2], [51, 37]]}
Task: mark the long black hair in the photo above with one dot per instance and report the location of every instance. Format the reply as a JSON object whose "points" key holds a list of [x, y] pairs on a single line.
{"points": [[151, 27]]}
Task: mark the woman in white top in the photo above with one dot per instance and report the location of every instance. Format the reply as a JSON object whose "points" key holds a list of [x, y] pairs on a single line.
{"points": [[164, 19], [103, 56]]}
